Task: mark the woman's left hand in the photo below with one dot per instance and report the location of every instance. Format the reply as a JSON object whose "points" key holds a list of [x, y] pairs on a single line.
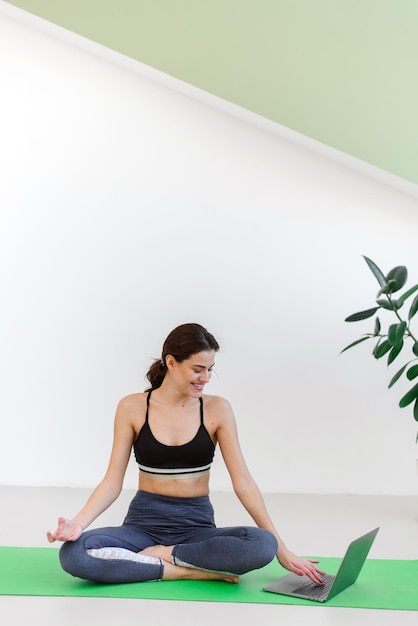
{"points": [[300, 566]]}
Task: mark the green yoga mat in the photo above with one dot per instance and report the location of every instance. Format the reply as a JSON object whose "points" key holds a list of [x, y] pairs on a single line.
{"points": [[382, 584]]}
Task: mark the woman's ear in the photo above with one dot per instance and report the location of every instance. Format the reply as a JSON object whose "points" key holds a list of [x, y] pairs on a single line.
{"points": [[170, 361]]}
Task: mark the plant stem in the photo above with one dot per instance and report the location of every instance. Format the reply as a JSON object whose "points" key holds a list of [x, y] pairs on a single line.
{"points": [[399, 318]]}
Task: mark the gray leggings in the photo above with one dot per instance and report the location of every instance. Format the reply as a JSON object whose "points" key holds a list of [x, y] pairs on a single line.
{"points": [[186, 523]]}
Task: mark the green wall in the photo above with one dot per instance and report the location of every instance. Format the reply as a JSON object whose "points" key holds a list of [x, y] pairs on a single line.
{"points": [[344, 72]]}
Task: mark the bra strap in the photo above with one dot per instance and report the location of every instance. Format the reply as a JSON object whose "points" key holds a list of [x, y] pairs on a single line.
{"points": [[148, 397], [201, 410]]}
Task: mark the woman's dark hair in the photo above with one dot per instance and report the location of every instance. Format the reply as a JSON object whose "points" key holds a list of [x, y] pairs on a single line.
{"points": [[181, 343]]}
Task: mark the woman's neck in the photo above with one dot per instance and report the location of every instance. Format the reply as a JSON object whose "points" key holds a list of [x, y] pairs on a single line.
{"points": [[171, 396]]}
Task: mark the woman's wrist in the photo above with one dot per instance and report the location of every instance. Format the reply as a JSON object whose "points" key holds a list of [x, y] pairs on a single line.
{"points": [[282, 549], [79, 522]]}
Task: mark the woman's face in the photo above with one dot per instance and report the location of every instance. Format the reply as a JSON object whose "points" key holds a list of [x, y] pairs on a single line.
{"points": [[192, 374]]}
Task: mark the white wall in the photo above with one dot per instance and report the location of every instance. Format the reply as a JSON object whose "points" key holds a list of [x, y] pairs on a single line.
{"points": [[127, 208]]}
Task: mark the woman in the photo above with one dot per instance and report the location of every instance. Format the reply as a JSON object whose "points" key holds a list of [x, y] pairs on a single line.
{"points": [[169, 532]]}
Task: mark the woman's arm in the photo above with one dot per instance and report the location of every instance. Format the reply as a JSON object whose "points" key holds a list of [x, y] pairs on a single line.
{"points": [[249, 494], [110, 487]]}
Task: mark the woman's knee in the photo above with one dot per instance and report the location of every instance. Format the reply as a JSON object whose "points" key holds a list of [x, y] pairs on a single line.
{"points": [[74, 557], [71, 556], [261, 548], [260, 551], [76, 560], [267, 545]]}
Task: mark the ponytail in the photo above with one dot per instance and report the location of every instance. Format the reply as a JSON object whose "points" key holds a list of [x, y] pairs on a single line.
{"points": [[156, 374]]}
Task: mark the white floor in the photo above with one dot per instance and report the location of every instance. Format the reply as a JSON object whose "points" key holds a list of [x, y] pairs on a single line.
{"points": [[309, 525]]}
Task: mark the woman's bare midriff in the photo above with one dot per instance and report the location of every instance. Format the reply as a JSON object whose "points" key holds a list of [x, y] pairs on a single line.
{"points": [[176, 488]]}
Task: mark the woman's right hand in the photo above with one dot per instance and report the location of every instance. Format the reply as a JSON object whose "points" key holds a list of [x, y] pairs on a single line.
{"points": [[67, 530]]}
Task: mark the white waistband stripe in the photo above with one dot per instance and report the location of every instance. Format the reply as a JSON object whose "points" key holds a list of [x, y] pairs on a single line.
{"points": [[173, 472]]}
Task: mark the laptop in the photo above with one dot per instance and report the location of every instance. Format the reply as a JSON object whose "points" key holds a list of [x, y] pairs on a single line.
{"points": [[303, 587]]}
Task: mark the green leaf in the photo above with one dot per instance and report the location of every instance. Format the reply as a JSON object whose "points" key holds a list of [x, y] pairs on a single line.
{"points": [[414, 308], [394, 353], [396, 333], [362, 315], [409, 397], [381, 349], [415, 348], [392, 334], [397, 375], [388, 287], [407, 294], [416, 413], [389, 305], [355, 343], [377, 326], [412, 372], [379, 275], [399, 276]]}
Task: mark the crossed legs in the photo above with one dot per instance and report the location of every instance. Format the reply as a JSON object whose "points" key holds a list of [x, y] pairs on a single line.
{"points": [[125, 554]]}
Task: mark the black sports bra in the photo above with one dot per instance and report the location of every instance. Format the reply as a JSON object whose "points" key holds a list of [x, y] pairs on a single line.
{"points": [[193, 458]]}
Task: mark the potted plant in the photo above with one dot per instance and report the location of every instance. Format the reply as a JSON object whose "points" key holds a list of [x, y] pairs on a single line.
{"points": [[398, 336]]}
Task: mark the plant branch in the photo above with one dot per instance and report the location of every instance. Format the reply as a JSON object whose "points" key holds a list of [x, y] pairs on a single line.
{"points": [[399, 317]]}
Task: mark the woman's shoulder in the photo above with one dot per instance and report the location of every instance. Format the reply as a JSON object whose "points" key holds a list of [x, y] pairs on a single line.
{"points": [[133, 402], [130, 412], [217, 404]]}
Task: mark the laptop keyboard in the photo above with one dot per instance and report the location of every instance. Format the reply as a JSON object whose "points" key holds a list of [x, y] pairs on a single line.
{"points": [[315, 591]]}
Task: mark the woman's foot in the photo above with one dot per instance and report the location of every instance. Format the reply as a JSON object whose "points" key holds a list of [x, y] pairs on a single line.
{"points": [[158, 551], [178, 572]]}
